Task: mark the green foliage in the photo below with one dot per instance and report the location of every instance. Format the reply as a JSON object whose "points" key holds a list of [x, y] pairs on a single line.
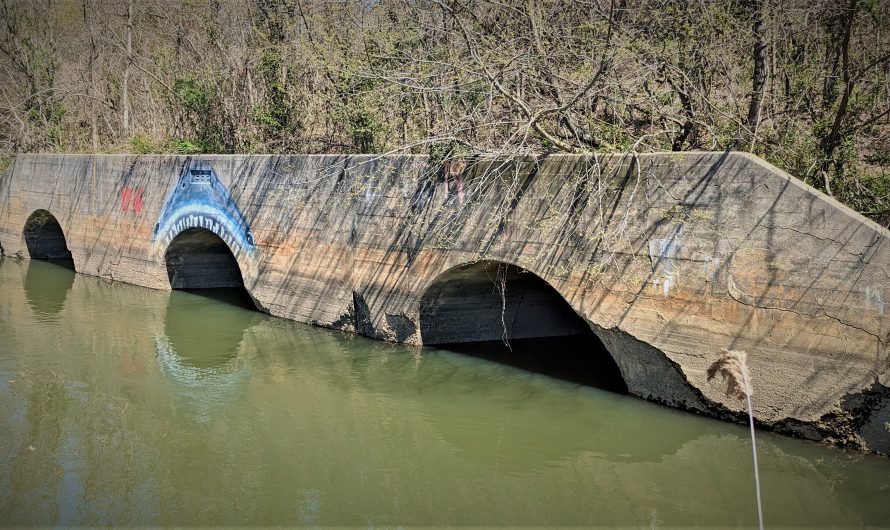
{"points": [[142, 145], [185, 147], [199, 108], [880, 157], [266, 118], [613, 135], [192, 96], [273, 115], [363, 128]]}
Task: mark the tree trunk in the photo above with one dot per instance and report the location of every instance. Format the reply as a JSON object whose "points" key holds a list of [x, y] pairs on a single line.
{"points": [[834, 137], [758, 78], [92, 59], [125, 83]]}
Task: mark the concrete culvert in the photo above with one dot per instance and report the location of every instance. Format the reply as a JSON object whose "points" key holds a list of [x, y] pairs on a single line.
{"points": [[45, 240], [197, 259], [506, 314]]}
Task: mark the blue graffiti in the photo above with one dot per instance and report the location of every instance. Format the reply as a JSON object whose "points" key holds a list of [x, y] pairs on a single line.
{"points": [[200, 200]]}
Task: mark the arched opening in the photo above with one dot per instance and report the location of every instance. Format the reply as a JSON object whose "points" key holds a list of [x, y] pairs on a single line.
{"points": [[200, 261], [506, 314], [45, 240]]}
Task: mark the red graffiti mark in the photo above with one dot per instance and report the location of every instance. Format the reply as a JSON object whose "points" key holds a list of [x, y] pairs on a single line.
{"points": [[131, 200]]}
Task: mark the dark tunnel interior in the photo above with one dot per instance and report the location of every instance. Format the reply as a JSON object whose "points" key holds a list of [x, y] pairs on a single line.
{"points": [[506, 314]]}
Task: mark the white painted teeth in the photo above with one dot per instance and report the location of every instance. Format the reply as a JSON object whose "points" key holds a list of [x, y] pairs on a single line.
{"points": [[199, 221]]}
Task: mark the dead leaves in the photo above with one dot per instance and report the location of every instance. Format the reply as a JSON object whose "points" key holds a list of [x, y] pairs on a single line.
{"points": [[731, 365]]}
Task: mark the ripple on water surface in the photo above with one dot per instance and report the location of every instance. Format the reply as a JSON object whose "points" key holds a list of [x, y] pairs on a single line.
{"points": [[128, 406]]}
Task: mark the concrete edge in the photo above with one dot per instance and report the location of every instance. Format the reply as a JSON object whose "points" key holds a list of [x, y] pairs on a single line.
{"points": [[750, 157]]}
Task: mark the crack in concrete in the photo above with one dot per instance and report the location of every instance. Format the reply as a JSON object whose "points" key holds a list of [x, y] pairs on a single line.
{"points": [[859, 256], [799, 313]]}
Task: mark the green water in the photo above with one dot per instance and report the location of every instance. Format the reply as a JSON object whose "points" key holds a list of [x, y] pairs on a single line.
{"points": [[126, 406]]}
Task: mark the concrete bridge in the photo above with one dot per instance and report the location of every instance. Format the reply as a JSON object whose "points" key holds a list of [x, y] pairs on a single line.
{"points": [[661, 260]]}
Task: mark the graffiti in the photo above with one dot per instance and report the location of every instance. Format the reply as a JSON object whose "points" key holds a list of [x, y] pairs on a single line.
{"points": [[675, 255], [131, 199], [200, 200], [664, 253], [873, 299]]}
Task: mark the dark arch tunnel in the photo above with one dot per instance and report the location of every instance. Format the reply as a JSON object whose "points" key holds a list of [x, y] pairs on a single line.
{"points": [[45, 239], [200, 262], [506, 314]]}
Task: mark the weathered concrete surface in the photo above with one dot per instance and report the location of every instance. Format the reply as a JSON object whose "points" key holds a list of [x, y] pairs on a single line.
{"points": [[669, 257]]}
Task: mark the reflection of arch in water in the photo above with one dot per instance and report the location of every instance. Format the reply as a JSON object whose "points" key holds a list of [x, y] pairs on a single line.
{"points": [[505, 313], [45, 239], [47, 285], [201, 351], [511, 420]]}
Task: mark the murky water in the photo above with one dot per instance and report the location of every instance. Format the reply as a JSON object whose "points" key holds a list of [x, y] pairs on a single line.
{"points": [[122, 405]]}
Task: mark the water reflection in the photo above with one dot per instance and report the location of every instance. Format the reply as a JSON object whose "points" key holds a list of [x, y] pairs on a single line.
{"points": [[201, 350], [301, 426], [47, 284], [501, 418], [521, 427]]}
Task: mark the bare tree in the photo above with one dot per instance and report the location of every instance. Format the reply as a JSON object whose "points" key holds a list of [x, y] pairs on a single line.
{"points": [[804, 84]]}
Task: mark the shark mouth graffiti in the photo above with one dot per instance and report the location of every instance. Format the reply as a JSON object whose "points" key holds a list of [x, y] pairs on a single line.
{"points": [[200, 200]]}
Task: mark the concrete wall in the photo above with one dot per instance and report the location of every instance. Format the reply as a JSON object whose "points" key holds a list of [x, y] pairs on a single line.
{"points": [[669, 257]]}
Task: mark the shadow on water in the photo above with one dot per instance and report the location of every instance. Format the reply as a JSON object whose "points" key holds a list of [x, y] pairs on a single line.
{"points": [[501, 418], [231, 296], [47, 284], [579, 359]]}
